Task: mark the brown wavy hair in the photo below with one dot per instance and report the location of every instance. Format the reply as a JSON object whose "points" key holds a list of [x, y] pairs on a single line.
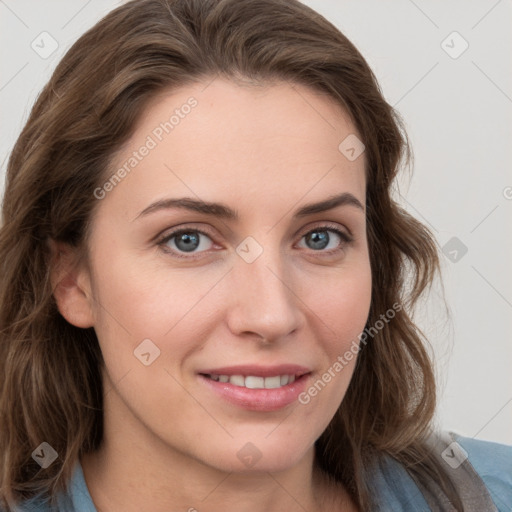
{"points": [[50, 380]]}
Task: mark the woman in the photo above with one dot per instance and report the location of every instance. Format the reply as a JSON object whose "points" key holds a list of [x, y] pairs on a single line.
{"points": [[205, 296]]}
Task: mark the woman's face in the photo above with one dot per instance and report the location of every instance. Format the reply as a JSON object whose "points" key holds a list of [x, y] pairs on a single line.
{"points": [[244, 294]]}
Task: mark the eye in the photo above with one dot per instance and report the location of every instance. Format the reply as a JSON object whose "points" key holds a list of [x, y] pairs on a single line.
{"points": [[183, 240], [192, 241], [319, 238]]}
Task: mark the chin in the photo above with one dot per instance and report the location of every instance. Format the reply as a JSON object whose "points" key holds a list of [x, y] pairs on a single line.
{"points": [[245, 456]]}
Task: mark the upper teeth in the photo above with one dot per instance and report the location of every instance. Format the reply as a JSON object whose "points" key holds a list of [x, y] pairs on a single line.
{"points": [[253, 382]]}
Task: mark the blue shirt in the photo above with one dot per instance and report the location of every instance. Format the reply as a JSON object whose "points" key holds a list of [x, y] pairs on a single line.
{"points": [[393, 488]]}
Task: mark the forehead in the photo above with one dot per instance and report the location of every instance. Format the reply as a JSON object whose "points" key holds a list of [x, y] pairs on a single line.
{"points": [[239, 143]]}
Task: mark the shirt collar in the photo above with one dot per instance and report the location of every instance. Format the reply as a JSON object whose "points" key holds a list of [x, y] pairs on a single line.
{"points": [[78, 497], [392, 489]]}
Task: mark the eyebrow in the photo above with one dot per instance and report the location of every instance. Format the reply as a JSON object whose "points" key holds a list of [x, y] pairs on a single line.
{"points": [[225, 212]]}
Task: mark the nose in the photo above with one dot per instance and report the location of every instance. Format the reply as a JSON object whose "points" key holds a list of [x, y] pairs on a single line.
{"points": [[264, 303]]}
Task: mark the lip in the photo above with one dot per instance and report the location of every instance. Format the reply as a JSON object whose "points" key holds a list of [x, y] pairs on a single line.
{"points": [[258, 370], [263, 400]]}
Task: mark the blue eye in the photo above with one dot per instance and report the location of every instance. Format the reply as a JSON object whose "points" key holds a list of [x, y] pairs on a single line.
{"points": [[187, 240], [320, 238]]}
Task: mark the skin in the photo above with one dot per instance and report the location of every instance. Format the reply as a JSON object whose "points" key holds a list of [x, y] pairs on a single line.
{"points": [[170, 443]]}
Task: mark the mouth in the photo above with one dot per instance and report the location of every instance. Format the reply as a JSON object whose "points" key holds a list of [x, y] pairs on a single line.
{"points": [[257, 388], [254, 381]]}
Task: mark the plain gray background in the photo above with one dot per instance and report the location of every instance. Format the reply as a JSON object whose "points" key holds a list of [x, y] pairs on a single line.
{"points": [[457, 106]]}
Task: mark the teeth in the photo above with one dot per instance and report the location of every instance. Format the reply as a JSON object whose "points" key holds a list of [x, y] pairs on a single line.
{"points": [[273, 382], [253, 382], [237, 380]]}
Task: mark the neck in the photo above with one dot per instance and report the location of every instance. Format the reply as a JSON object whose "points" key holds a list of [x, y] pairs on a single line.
{"points": [[135, 470], [129, 480]]}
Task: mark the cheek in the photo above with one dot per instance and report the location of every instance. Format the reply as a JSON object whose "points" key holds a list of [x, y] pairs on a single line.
{"points": [[140, 313], [179, 309], [342, 310], [137, 302], [148, 301], [343, 306]]}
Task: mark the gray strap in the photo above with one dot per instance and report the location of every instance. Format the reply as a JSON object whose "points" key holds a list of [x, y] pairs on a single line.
{"points": [[472, 490]]}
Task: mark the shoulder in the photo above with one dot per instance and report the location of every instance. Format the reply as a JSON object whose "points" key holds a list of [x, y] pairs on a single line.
{"points": [[32, 505], [480, 470], [75, 499], [493, 464], [36, 504]]}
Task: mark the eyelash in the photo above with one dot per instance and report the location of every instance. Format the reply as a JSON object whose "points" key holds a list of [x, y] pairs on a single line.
{"points": [[345, 240]]}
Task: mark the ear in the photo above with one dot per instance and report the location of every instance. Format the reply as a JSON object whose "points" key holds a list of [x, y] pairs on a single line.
{"points": [[71, 285]]}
